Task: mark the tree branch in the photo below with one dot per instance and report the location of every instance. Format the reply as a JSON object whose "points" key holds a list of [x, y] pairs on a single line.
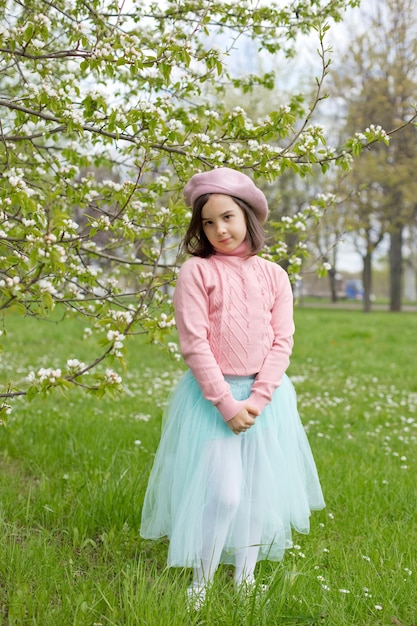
{"points": [[61, 54]]}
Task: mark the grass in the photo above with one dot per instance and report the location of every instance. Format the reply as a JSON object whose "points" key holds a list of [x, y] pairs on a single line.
{"points": [[73, 471]]}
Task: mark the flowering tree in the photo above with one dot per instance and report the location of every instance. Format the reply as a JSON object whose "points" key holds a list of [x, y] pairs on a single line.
{"points": [[107, 108]]}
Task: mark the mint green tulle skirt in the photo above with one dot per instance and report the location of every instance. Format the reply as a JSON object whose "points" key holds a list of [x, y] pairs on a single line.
{"points": [[208, 484]]}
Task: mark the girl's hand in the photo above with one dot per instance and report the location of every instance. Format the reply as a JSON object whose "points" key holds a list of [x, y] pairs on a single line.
{"points": [[241, 422]]}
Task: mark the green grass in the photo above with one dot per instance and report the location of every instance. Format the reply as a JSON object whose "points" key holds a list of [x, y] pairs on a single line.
{"points": [[73, 471]]}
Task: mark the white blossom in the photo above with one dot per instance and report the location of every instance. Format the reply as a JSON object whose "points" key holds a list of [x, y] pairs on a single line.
{"points": [[112, 377]]}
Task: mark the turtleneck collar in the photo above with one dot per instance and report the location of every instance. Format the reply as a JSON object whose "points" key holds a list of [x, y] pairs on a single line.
{"points": [[241, 251]]}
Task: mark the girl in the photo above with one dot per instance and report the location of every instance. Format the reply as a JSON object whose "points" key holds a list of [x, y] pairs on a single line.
{"points": [[234, 471]]}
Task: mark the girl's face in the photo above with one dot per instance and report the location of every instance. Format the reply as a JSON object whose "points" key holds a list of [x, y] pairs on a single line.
{"points": [[223, 222]]}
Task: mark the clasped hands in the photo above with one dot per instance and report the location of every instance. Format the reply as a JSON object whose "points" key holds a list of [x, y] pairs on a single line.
{"points": [[241, 422]]}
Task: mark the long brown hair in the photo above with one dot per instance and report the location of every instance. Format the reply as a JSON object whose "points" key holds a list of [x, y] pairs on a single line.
{"points": [[196, 243]]}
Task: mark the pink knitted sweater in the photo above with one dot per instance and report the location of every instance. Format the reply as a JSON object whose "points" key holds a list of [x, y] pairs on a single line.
{"points": [[234, 316]]}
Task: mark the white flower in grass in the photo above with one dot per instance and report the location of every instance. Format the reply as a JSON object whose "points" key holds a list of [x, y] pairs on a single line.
{"points": [[344, 591], [142, 417], [378, 607], [366, 558]]}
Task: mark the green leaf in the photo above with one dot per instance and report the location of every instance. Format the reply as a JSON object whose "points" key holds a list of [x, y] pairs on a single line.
{"points": [[47, 301], [32, 392], [165, 69], [28, 32]]}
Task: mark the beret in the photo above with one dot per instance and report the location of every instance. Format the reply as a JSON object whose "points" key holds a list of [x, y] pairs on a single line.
{"points": [[230, 183]]}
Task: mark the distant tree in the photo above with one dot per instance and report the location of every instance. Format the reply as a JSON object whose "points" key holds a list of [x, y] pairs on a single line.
{"points": [[377, 81], [410, 258]]}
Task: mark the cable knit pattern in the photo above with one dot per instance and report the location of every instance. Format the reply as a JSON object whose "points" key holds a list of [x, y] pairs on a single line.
{"points": [[230, 337], [234, 317]]}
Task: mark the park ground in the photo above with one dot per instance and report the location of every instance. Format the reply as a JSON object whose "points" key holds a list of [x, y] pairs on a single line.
{"points": [[73, 470]]}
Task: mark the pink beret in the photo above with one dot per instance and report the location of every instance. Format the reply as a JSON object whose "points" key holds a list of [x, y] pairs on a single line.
{"points": [[230, 183]]}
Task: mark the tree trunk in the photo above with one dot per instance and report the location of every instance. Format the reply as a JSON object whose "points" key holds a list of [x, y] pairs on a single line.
{"points": [[396, 268], [332, 283], [367, 281]]}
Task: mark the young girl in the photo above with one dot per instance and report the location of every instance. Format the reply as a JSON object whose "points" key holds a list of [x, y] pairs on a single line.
{"points": [[234, 471]]}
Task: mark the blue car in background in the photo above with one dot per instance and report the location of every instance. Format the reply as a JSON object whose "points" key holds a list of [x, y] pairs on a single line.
{"points": [[354, 289]]}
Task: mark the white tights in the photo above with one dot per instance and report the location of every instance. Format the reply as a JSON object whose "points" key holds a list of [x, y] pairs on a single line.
{"points": [[224, 495]]}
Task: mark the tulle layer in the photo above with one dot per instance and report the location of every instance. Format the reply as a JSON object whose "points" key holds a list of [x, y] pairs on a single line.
{"points": [[240, 490]]}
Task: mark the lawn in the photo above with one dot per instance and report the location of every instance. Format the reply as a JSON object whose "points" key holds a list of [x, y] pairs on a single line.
{"points": [[73, 471]]}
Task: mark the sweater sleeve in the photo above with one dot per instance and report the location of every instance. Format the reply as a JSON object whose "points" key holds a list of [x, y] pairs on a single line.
{"points": [[191, 305], [277, 360]]}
